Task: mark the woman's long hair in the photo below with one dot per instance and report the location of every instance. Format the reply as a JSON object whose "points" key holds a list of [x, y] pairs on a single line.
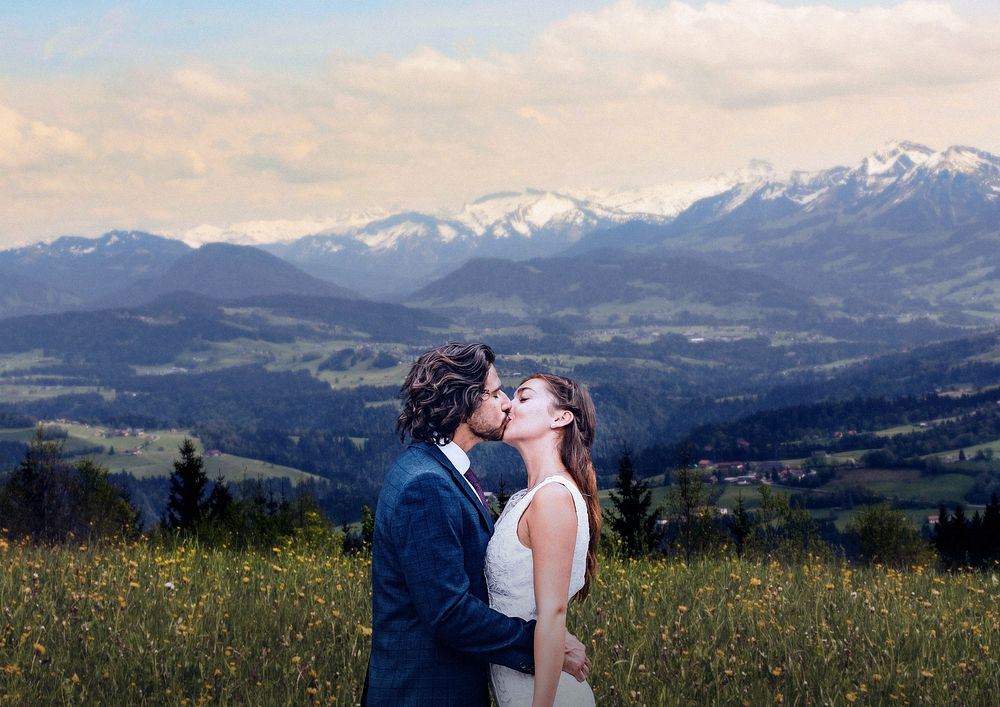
{"points": [[576, 442], [443, 388]]}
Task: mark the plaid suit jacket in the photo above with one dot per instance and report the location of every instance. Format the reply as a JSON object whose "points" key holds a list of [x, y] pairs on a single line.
{"points": [[433, 633]]}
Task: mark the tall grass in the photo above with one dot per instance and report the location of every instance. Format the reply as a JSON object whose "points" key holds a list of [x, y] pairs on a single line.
{"points": [[134, 624]]}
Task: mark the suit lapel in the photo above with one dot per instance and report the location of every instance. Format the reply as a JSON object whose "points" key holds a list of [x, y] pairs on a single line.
{"points": [[462, 484]]}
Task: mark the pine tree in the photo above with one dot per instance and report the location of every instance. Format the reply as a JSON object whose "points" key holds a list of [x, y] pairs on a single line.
{"points": [[49, 499], [500, 498], [991, 529], [367, 525], [742, 525], [630, 517], [186, 507]]}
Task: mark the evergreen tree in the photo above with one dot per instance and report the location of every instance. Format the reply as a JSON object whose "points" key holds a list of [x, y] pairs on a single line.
{"points": [[991, 529], [630, 516], [367, 525], [742, 525], [49, 499], [187, 506], [500, 498]]}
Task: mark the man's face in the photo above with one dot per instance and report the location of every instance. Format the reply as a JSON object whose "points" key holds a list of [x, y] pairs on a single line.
{"points": [[490, 418]]}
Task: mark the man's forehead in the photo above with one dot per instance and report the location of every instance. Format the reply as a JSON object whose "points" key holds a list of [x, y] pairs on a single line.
{"points": [[492, 379]]}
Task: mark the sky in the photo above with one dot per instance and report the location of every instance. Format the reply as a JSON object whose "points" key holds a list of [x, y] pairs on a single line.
{"points": [[167, 117]]}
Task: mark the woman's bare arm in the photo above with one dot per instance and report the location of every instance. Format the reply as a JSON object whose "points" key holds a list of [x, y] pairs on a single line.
{"points": [[549, 527]]}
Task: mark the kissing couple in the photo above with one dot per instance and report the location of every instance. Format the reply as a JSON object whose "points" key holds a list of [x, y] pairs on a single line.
{"points": [[459, 602]]}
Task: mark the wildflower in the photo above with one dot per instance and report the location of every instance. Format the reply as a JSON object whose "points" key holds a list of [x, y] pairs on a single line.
{"points": [[170, 586], [39, 649], [852, 697], [776, 671]]}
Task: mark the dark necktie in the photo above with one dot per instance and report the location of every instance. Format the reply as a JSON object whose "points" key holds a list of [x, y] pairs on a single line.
{"points": [[475, 484]]}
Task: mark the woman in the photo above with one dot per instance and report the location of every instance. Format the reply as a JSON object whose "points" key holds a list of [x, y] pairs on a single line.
{"points": [[544, 549]]}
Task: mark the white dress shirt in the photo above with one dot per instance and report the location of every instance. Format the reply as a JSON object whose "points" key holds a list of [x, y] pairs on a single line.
{"points": [[457, 456]]}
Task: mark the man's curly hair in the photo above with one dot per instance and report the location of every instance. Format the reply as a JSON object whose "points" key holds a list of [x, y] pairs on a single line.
{"points": [[443, 389]]}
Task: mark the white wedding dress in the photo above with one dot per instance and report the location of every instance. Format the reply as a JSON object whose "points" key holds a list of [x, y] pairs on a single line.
{"points": [[510, 580]]}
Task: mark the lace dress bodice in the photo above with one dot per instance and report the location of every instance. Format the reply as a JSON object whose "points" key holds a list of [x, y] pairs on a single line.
{"points": [[510, 580]]}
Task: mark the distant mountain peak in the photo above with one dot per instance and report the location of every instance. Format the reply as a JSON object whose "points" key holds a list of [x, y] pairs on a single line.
{"points": [[966, 160], [895, 159], [757, 169]]}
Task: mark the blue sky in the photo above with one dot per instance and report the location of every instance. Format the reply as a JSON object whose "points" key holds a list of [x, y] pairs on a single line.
{"points": [[171, 116]]}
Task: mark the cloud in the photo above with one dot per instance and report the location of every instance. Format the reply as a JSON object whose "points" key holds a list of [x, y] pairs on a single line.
{"points": [[200, 83], [29, 144], [624, 95], [79, 42], [732, 54]]}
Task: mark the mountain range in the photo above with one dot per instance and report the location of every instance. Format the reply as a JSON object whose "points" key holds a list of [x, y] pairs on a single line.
{"points": [[907, 230]]}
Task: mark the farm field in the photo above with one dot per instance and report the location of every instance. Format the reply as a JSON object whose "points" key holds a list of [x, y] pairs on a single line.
{"points": [[159, 449], [145, 625], [906, 484]]}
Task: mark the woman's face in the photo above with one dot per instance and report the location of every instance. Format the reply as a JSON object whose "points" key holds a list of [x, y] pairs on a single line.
{"points": [[532, 412]]}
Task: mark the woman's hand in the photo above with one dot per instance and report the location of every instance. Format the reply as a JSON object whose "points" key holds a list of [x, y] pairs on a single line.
{"points": [[575, 660]]}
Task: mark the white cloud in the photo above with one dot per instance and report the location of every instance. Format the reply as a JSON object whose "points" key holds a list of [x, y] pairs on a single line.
{"points": [[29, 144], [742, 52], [627, 95], [200, 84]]}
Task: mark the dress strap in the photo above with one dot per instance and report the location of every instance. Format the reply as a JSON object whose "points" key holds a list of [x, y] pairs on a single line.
{"points": [[557, 479]]}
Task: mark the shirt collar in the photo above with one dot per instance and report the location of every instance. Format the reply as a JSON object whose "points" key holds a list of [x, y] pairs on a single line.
{"points": [[457, 456]]}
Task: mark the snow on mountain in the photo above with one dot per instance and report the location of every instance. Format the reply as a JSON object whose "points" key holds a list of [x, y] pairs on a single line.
{"points": [[896, 170], [966, 160], [568, 215], [525, 213], [276, 231], [895, 159]]}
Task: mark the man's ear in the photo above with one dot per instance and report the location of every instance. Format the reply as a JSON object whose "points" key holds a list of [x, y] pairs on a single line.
{"points": [[562, 419]]}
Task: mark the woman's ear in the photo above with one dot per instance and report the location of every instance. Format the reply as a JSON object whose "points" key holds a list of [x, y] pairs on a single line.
{"points": [[562, 419]]}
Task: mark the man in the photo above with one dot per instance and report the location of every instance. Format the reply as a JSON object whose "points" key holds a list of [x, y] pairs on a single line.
{"points": [[433, 633]]}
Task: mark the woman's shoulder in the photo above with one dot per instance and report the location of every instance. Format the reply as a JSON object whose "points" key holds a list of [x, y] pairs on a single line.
{"points": [[552, 485], [554, 491]]}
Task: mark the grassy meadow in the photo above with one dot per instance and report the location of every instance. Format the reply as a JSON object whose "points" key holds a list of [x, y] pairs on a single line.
{"points": [[159, 451], [138, 624]]}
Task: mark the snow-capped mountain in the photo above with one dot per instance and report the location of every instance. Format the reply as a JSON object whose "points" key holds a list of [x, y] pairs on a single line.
{"points": [[398, 253], [87, 268], [276, 231], [905, 222]]}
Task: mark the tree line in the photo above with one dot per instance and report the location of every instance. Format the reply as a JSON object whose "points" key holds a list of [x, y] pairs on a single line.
{"points": [[48, 498]]}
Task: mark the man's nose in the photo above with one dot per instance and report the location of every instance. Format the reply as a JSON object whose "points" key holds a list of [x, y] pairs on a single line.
{"points": [[504, 401]]}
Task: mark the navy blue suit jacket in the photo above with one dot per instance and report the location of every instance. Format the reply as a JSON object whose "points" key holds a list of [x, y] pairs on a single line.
{"points": [[433, 633]]}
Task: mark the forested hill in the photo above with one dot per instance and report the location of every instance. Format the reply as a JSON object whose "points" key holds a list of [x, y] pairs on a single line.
{"points": [[226, 272], [158, 332], [613, 286], [948, 390], [943, 422]]}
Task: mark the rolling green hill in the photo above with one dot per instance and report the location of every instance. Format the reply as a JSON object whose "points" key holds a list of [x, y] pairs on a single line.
{"points": [[151, 453]]}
